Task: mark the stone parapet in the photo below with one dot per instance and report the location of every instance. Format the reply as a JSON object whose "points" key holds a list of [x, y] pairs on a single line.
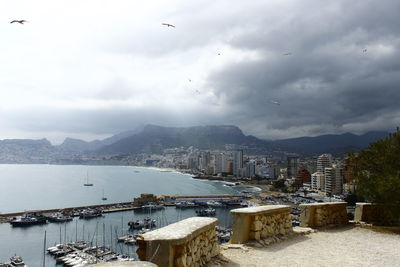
{"points": [[321, 214], [190, 242], [260, 222], [373, 214], [126, 264]]}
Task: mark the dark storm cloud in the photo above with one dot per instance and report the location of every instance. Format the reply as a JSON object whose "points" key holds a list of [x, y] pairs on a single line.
{"points": [[84, 79], [328, 80]]}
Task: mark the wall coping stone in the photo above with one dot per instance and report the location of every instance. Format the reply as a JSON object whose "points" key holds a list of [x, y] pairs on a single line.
{"points": [[126, 264], [261, 209], [181, 231], [323, 204], [364, 204]]}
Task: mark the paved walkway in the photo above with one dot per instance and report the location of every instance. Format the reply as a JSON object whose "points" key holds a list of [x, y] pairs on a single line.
{"points": [[349, 246]]}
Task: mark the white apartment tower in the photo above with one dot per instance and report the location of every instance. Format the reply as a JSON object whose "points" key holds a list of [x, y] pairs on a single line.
{"points": [[324, 161], [237, 163], [334, 179], [318, 181], [220, 163]]}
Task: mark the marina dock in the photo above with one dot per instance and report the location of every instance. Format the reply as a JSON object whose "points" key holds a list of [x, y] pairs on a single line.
{"points": [[125, 206]]}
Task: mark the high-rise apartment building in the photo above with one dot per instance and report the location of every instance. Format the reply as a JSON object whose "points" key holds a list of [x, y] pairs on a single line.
{"points": [[221, 165], [292, 166], [324, 161], [318, 181], [334, 179], [237, 163]]}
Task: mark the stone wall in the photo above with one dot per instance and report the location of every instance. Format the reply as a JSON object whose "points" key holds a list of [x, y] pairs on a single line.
{"points": [[190, 242], [321, 214], [373, 214], [261, 222], [125, 264]]}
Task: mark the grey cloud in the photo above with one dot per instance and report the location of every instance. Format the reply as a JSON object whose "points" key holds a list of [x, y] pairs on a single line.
{"points": [[327, 80]]}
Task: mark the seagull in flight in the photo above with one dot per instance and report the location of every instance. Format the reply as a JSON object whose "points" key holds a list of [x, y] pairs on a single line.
{"points": [[168, 25], [287, 54], [22, 21], [275, 102]]}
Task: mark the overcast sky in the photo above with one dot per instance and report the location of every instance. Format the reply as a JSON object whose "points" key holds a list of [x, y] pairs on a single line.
{"points": [[90, 69]]}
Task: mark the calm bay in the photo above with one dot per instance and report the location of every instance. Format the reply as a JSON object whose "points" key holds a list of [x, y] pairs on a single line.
{"points": [[29, 187]]}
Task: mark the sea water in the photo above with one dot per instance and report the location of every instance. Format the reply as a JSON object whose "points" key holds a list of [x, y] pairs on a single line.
{"points": [[29, 187]]}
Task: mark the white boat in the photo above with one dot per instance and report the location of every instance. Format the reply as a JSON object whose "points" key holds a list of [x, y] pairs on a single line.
{"points": [[152, 206], [139, 224], [16, 261], [103, 198], [185, 204], [87, 180], [206, 212], [213, 203]]}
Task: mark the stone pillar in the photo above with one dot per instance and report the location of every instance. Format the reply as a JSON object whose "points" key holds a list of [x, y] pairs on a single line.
{"points": [[374, 214], [260, 222], [321, 214], [190, 242]]}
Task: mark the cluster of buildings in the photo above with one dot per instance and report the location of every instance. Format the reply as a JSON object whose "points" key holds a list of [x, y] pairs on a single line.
{"points": [[224, 163], [329, 177], [324, 174]]}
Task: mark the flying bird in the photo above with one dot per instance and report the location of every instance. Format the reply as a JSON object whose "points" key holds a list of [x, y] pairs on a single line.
{"points": [[190, 80], [168, 25], [219, 54], [275, 102], [287, 54], [364, 50], [22, 21]]}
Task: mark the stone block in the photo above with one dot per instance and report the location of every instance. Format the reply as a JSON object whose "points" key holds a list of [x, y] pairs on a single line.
{"points": [[181, 261], [256, 226]]}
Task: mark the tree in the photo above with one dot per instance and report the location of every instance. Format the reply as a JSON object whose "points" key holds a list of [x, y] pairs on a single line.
{"points": [[280, 185], [376, 172]]}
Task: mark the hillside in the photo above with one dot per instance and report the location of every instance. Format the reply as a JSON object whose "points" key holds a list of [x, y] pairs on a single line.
{"points": [[334, 144], [156, 138]]}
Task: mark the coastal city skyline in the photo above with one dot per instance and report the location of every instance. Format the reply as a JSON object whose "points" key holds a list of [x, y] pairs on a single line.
{"points": [[276, 69], [199, 133]]}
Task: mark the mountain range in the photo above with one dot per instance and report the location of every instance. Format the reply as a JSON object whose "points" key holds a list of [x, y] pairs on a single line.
{"points": [[154, 139]]}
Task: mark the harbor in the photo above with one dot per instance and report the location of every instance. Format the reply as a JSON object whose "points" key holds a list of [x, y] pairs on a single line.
{"points": [[146, 201], [76, 213]]}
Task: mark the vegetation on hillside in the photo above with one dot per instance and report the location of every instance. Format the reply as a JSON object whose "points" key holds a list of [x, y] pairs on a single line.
{"points": [[377, 173]]}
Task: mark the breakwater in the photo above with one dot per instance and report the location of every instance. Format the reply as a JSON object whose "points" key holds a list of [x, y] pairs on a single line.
{"points": [[125, 206]]}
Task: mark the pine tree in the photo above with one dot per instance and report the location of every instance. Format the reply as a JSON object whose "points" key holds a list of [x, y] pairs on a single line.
{"points": [[377, 173]]}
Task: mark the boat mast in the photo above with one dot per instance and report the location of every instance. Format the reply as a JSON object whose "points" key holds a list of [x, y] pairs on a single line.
{"points": [[104, 235], [44, 249]]}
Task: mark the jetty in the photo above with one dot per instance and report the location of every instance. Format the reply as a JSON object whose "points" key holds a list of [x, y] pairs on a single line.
{"points": [[136, 204]]}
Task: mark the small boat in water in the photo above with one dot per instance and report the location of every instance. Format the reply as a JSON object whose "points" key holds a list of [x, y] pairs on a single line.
{"points": [[185, 204], [152, 206], [87, 180], [103, 198], [145, 223], [15, 261], [213, 203], [89, 213], [58, 217], [206, 212], [28, 219]]}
